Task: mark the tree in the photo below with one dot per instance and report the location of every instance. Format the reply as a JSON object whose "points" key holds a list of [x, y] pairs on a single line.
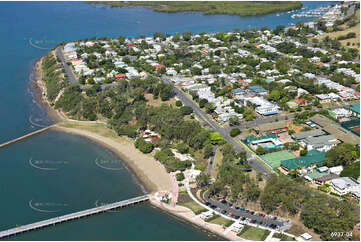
{"points": [[186, 110], [304, 152], [234, 132], [186, 35], [180, 176], [351, 170], [179, 103], [127, 130], [342, 154], [182, 148], [260, 150], [208, 151], [234, 120], [291, 146], [202, 179], [143, 146], [216, 138], [202, 102]]}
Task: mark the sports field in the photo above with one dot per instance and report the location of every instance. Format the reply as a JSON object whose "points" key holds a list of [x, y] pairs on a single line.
{"points": [[274, 159], [353, 126]]}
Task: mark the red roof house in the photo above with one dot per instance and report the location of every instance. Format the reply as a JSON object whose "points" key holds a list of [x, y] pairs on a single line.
{"points": [[120, 75]]}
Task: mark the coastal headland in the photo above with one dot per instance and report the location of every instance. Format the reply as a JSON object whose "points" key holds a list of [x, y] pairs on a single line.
{"points": [[151, 173]]}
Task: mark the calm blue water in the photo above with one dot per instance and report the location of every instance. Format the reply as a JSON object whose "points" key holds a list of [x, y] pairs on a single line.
{"points": [[77, 183]]}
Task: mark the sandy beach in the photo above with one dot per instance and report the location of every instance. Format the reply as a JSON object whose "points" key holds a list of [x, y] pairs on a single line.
{"points": [[152, 174], [148, 170]]}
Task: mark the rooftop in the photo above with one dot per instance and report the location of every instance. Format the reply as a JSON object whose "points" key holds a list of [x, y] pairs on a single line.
{"points": [[312, 157], [335, 129], [307, 134]]}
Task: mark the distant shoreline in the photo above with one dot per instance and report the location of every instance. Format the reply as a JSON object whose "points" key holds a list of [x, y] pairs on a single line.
{"points": [[215, 8]]}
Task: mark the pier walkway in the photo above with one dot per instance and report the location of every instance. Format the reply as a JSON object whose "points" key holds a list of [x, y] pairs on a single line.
{"points": [[72, 216], [25, 136]]}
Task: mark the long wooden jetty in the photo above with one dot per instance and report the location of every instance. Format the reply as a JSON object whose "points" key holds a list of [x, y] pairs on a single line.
{"points": [[25, 136], [72, 216]]}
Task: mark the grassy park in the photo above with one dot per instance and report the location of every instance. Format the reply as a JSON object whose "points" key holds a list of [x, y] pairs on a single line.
{"points": [[253, 233]]}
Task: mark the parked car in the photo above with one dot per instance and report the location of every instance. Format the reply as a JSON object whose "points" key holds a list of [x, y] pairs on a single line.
{"points": [[208, 203], [236, 217]]}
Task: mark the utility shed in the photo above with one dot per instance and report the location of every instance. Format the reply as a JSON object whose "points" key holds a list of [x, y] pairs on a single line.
{"points": [[336, 130]]}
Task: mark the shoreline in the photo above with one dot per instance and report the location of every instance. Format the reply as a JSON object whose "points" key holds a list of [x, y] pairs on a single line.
{"points": [[186, 215], [131, 157], [147, 172], [40, 92]]}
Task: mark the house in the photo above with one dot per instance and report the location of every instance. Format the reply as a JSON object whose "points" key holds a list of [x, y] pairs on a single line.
{"points": [[237, 227], [355, 109], [120, 75], [292, 104], [322, 143], [301, 101], [340, 113], [325, 179], [344, 185], [336, 170], [257, 90], [306, 236], [206, 215]]}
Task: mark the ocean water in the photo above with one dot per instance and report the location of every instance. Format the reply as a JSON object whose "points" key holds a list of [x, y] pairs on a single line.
{"points": [[55, 173]]}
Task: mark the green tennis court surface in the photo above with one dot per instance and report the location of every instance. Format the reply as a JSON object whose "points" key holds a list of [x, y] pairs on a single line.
{"points": [[274, 159]]}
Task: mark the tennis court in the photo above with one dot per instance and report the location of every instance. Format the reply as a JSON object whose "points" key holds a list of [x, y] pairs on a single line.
{"points": [[274, 159], [353, 126]]}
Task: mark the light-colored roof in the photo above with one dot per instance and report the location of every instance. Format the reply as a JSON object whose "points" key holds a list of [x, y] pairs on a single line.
{"points": [[306, 134], [306, 236], [336, 130], [344, 182]]}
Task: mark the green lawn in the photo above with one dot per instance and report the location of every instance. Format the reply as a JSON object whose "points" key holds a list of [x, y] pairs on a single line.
{"points": [[253, 233], [197, 209], [220, 220]]}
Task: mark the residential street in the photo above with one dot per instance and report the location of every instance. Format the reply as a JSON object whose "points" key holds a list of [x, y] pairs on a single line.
{"points": [[256, 165], [72, 79]]}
